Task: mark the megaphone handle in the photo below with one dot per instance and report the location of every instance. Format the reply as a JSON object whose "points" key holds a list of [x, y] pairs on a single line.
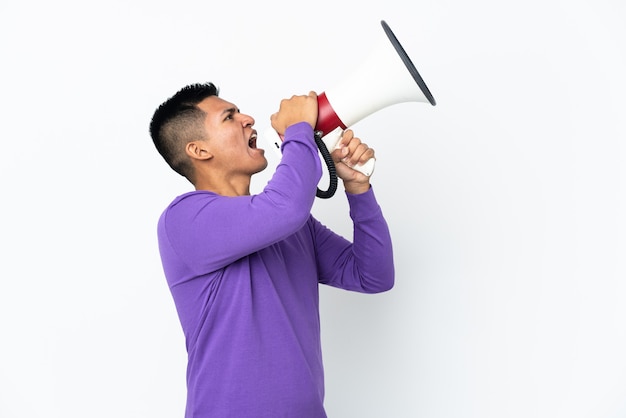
{"points": [[331, 140]]}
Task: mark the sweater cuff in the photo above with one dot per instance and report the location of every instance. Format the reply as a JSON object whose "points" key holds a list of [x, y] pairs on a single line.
{"points": [[363, 205], [301, 132]]}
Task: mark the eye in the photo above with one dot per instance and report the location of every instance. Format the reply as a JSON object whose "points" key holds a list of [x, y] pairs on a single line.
{"points": [[230, 114]]}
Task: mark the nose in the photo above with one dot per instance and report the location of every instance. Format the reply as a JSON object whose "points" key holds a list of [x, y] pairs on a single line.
{"points": [[247, 120]]}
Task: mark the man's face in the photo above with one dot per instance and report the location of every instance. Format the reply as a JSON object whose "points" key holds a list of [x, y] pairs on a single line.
{"points": [[231, 138]]}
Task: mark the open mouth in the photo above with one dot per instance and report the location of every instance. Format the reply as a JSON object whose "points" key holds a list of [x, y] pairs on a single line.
{"points": [[252, 140]]}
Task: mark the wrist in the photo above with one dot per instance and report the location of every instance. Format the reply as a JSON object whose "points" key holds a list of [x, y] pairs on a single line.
{"points": [[356, 188]]}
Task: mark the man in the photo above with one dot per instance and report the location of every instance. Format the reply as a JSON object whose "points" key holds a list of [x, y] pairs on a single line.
{"points": [[244, 269]]}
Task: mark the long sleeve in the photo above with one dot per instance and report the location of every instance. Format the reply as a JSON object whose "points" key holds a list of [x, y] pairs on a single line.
{"points": [[366, 265], [206, 232]]}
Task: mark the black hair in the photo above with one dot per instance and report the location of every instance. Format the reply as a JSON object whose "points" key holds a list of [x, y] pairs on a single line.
{"points": [[177, 121]]}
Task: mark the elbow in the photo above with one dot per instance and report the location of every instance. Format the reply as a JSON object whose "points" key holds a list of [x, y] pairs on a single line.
{"points": [[390, 278], [384, 283], [388, 285]]}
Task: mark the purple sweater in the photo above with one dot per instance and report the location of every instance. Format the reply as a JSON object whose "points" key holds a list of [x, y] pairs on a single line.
{"points": [[244, 274]]}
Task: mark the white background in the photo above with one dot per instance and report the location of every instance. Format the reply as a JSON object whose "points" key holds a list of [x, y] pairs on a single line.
{"points": [[506, 201]]}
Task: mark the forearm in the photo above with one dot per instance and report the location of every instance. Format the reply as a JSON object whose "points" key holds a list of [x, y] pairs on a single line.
{"points": [[366, 264], [372, 246]]}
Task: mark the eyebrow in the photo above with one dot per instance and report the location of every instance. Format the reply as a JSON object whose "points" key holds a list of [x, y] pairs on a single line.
{"points": [[230, 111]]}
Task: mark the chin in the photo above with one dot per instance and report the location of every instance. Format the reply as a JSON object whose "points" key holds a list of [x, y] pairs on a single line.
{"points": [[263, 167]]}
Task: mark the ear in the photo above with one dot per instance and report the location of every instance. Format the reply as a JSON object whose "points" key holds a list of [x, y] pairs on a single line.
{"points": [[198, 150]]}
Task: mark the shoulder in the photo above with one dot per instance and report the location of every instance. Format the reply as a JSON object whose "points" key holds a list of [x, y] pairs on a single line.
{"points": [[186, 204], [192, 198]]}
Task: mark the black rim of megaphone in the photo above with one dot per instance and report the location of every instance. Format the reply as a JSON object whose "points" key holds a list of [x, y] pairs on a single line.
{"points": [[332, 170], [407, 61]]}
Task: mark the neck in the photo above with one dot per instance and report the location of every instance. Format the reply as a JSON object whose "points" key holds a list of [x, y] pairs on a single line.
{"points": [[224, 187]]}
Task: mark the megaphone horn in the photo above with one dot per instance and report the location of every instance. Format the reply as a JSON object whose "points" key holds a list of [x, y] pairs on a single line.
{"points": [[382, 80], [386, 77]]}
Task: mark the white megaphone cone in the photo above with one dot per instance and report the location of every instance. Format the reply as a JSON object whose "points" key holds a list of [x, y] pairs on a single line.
{"points": [[386, 77]]}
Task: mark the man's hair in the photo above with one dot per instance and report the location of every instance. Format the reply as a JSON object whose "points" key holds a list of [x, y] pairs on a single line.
{"points": [[178, 121]]}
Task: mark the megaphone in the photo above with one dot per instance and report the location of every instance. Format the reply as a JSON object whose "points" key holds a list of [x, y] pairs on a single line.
{"points": [[385, 78]]}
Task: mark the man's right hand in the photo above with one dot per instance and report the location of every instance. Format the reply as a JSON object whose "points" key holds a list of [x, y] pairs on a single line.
{"points": [[301, 108]]}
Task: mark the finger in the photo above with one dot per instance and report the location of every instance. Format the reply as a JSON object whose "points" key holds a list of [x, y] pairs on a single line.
{"points": [[361, 155], [367, 155], [352, 144], [346, 137], [356, 155]]}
